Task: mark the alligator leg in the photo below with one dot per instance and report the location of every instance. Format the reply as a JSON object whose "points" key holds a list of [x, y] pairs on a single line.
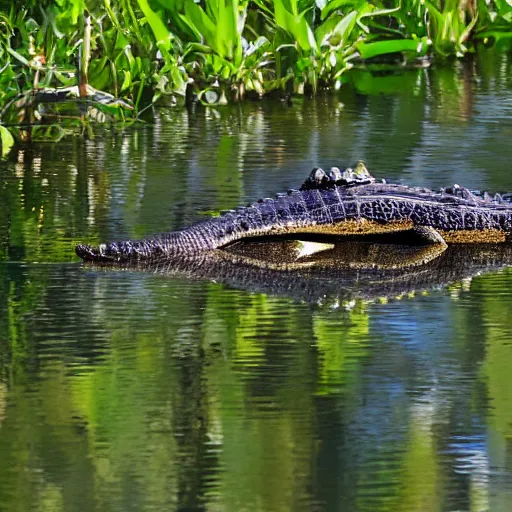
{"points": [[393, 257], [399, 257], [383, 256]]}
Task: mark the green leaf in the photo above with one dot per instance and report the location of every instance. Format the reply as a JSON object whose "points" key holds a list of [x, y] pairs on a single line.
{"points": [[296, 25], [121, 41], [193, 29], [19, 57], [504, 9], [495, 34], [162, 35], [227, 28], [369, 50], [178, 79], [130, 58], [100, 73], [127, 82], [201, 22], [7, 140], [336, 29], [378, 12], [218, 26], [77, 10], [196, 47], [64, 79], [337, 4]]}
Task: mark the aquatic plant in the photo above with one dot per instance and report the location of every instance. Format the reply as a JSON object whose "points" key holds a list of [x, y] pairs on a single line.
{"points": [[212, 51]]}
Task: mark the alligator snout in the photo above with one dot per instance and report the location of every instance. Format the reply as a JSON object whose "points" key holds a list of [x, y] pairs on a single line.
{"points": [[86, 252]]}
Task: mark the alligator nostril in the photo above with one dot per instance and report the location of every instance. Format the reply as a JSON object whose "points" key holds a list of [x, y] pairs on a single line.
{"points": [[86, 252]]}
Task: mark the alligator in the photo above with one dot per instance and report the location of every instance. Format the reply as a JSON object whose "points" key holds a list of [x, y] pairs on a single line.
{"points": [[330, 206]]}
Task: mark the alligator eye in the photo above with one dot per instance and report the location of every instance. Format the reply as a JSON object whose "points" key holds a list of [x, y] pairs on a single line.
{"points": [[318, 175]]}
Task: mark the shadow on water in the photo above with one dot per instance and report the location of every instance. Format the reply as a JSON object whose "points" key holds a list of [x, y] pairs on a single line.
{"points": [[157, 390]]}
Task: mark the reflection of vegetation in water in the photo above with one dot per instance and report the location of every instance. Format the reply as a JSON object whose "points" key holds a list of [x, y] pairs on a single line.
{"points": [[197, 394], [20, 293], [250, 334], [454, 101], [260, 401], [3, 395], [38, 206], [122, 405], [498, 355], [158, 408], [341, 345], [484, 333], [421, 482], [103, 422]]}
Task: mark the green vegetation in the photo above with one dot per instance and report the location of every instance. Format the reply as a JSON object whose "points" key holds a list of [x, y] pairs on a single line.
{"points": [[54, 53]]}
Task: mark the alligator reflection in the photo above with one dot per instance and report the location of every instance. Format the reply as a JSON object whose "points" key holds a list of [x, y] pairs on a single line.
{"points": [[346, 272]]}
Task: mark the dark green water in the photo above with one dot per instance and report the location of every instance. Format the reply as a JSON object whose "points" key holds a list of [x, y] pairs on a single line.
{"points": [[126, 391]]}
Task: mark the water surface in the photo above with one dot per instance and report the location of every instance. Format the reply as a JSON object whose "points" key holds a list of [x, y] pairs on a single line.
{"points": [[143, 391]]}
